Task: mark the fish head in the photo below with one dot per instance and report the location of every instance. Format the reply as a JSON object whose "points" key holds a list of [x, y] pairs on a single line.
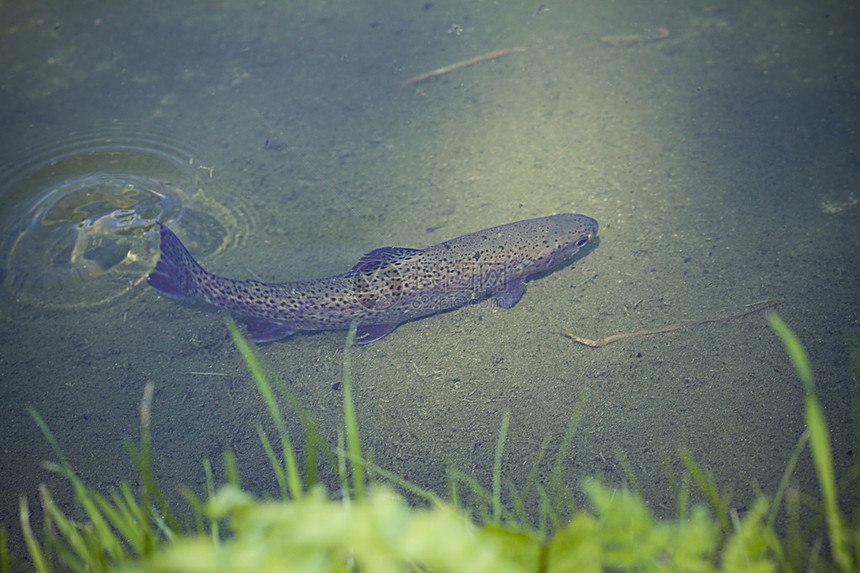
{"points": [[560, 238], [577, 232]]}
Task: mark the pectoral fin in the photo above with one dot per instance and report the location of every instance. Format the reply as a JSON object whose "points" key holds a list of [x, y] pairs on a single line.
{"points": [[510, 293], [373, 332]]}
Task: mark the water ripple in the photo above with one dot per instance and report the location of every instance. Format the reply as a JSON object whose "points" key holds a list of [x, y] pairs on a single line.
{"points": [[79, 216]]}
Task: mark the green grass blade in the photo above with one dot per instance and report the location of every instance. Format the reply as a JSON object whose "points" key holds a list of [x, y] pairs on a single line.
{"points": [[4, 550], [107, 540], [210, 493], [142, 460], [680, 491], [198, 506], [169, 533], [342, 471], [786, 475], [231, 469], [556, 478], [312, 446], [793, 539], [497, 465], [627, 468], [132, 507], [125, 514], [101, 513], [521, 497], [76, 550], [36, 554], [517, 517], [453, 487], [315, 445], [480, 498], [708, 486], [50, 437], [796, 351], [353, 445], [293, 478], [406, 485], [547, 509], [127, 527], [819, 441], [210, 479], [854, 349], [201, 515], [280, 472]]}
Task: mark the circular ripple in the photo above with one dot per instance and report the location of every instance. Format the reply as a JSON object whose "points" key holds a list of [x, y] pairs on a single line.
{"points": [[80, 217]]}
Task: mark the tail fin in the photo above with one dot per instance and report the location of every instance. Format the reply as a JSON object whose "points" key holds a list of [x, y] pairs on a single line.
{"points": [[177, 274]]}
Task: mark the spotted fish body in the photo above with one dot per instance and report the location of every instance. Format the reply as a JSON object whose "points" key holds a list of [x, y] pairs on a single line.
{"points": [[387, 286]]}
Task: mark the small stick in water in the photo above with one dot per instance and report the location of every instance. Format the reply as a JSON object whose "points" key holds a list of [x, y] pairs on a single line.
{"points": [[463, 64], [672, 327], [628, 40]]}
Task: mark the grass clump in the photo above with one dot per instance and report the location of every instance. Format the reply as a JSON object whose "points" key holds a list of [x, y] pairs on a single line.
{"points": [[372, 528]]}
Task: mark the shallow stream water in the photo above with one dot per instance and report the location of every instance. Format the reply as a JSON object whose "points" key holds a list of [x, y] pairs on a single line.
{"points": [[716, 145]]}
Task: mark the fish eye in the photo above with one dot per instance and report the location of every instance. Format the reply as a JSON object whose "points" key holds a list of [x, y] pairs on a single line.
{"points": [[581, 242]]}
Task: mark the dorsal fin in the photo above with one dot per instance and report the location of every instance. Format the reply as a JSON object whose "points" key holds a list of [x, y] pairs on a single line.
{"points": [[382, 256]]}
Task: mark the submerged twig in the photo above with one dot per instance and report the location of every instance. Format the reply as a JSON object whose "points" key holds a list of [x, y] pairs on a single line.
{"points": [[463, 64], [672, 327], [627, 40]]}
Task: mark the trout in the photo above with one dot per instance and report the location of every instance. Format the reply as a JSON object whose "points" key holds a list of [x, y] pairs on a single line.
{"points": [[389, 285]]}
